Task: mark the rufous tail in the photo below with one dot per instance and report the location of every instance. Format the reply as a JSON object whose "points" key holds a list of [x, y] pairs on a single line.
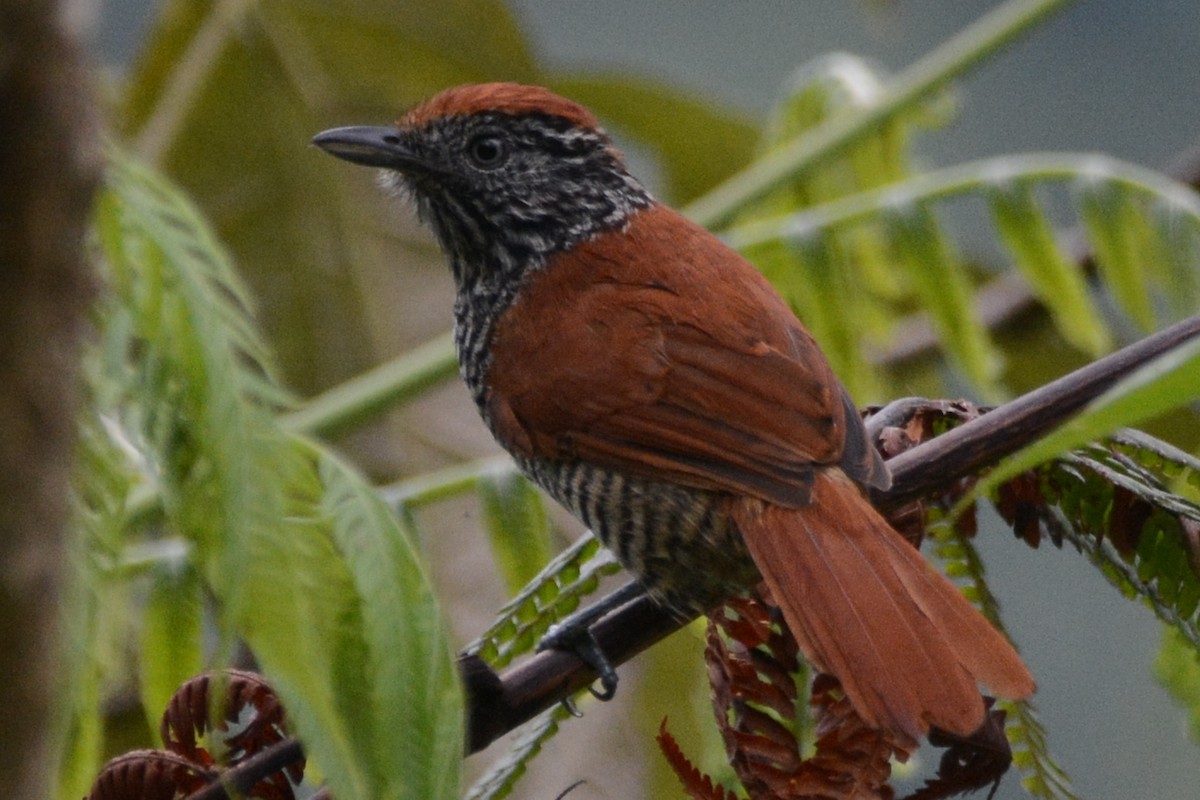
{"points": [[865, 606]]}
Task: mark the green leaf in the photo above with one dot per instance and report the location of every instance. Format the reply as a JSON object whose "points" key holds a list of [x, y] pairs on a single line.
{"points": [[191, 377], [501, 777], [303, 621], [549, 596], [817, 277], [941, 283], [347, 629], [1111, 500], [517, 525], [950, 61], [170, 646], [1114, 224], [1177, 668], [78, 725], [1057, 282], [1041, 775], [306, 560], [1166, 227], [1180, 248], [416, 708], [95, 608], [842, 283]]}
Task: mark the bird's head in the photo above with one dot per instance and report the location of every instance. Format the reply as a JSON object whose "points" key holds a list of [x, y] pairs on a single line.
{"points": [[507, 175]]}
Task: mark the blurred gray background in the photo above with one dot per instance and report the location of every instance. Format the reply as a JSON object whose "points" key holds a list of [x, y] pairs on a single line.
{"points": [[1107, 75]]}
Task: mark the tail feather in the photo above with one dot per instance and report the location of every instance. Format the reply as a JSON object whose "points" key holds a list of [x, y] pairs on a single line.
{"points": [[864, 606]]}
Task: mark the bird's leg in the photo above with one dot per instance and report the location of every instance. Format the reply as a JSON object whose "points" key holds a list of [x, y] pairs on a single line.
{"points": [[573, 633]]}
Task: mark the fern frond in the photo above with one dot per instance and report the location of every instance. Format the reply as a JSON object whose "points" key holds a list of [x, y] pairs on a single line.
{"points": [[1164, 383], [1112, 502], [304, 559], [185, 372], [498, 782], [1141, 225], [836, 303], [1042, 777], [414, 712], [344, 623], [1177, 667], [551, 595], [517, 524], [96, 610], [948, 62]]}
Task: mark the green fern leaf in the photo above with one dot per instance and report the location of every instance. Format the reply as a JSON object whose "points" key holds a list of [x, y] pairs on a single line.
{"points": [[1041, 775], [1177, 667], [414, 713], [550, 596], [498, 782], [841, 285], [1059, 284], [1160, 217], [517, 526], [345, 625], [944, 289], [171, 645], [1169, 381]]}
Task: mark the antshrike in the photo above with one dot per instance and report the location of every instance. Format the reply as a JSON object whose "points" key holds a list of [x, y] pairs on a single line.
{"points": [[650, 379]]}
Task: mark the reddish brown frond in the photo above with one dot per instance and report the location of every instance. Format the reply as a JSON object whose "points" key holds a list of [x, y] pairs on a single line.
{"points": [[1125, 520], [149, 775], [188, 717], [1018, 502], [751, 661], [969, 763], [852, 759], [914, 425], [697, 785]]}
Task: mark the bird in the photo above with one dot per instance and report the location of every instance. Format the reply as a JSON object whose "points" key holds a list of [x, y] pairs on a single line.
{"points": [[651, 380]]}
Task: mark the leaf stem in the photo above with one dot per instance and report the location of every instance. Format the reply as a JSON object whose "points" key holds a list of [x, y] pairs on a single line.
{"points": [[972, 45], [187, 80], [433, 487], [962, 179], [392, 382]]}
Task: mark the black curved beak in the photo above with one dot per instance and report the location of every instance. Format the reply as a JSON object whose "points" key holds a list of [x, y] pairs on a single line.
{"points": [[372, 147]]}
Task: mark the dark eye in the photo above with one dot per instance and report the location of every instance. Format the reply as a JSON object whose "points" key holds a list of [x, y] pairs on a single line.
{"points": [[487, 151]]}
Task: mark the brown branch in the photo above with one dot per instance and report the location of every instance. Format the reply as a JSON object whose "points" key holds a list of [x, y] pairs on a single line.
{"points": [[49, 171], [237, 781], [1001, 432], [499, 703]]}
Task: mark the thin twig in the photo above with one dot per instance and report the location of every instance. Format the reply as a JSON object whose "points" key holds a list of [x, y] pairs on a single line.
{"points": [[239, 780]]}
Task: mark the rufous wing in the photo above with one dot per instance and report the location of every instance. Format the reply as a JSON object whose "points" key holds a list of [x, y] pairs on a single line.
{"points": [[663, 353], [865, 607]]}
